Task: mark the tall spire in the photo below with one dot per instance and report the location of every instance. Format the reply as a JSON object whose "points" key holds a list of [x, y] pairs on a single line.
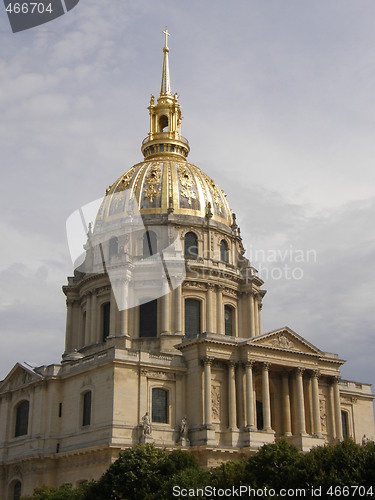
{"points": [[164, 138], [165, 79]]}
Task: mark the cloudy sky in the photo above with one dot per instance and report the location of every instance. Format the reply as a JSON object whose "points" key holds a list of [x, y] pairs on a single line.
{"points": [[278, 104]]}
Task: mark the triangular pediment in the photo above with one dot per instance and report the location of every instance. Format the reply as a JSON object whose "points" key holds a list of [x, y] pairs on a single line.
{"points": [[286, 339], [20, 375]]}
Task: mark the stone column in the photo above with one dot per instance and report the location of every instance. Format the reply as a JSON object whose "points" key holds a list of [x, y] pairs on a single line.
{"points": [[260, 305], [207, 362], [113, 315], [124, 321], [256, 316], [287, 424], [209, 309], [331, 411], [165, 313], [336, 401], [177, 309], [219, 310], [251, 315], [301, 424], [266, 397], [232, 396], [88, 319], [316, 403], [69, 324], [249, 396], [93, 337]]}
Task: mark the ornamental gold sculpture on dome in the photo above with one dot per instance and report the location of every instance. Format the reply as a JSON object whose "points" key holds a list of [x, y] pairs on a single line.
{"points": [[186, 183], [152, 182], [123, 184]]}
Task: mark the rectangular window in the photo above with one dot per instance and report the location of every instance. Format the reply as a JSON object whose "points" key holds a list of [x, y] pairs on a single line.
{"points": [[160, 406], [148, 319], [86, 418], [60, 410], [22, 419], [228, 316], [192, 317], [345, 424]]}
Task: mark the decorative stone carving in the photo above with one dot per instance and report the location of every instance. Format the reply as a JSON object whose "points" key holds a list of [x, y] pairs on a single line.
{"points": [[160, 375], [216, 403], [323, 414], [282, 341], [207, 360], [18, 380]]}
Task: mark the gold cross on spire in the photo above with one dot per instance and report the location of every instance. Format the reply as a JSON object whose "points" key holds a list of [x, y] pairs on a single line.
{"points": [[167, 34]]}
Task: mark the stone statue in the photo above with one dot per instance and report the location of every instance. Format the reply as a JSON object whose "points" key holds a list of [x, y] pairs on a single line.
{"points": [[146, 436], [146, 424], [364, 440], [184, 431], [184, 428]]}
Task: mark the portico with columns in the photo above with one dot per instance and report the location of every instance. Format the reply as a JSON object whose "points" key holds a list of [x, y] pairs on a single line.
{"points": [[256, 390]]}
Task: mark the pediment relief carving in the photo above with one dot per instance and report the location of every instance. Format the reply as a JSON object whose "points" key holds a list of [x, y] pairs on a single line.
{"points": [[282, 341], [18, 379], [287, 340]]}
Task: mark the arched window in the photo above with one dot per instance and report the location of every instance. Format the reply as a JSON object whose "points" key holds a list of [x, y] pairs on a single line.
{"points": [[191, 245], [148, 314], [160, 406], [86, 408], [22, 419], [149, 244], [229, 318], [106, 319], [163, 123], [113, 248], [259, 411], [224, 252], [192, 317], [17, 490], [345, 424]]}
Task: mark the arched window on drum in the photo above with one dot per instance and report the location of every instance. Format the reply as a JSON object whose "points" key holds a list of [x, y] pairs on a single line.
{"points": [[224, 251], [191, 245]]}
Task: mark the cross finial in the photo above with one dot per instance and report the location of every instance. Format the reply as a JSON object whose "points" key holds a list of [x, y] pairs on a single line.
{"points": [[167, 34]]}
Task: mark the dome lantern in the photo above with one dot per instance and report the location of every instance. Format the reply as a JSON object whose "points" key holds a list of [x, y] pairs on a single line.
{"points": [[164, 137]]}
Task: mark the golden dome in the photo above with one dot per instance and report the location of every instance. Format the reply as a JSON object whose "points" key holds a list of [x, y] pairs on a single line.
{"points": [[166, 186], [165, 183]]}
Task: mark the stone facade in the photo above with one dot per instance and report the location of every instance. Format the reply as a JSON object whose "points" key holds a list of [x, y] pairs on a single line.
{"points": [[191, 367]]}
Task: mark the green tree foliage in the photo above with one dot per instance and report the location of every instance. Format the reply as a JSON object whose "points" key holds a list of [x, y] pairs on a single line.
{"points": [[142, 473], [149, 473], [228, 474], [277, 465], [338, 464], [64, 492]]}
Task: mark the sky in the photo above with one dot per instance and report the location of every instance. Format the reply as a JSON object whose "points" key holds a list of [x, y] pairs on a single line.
{"points": [[279, 109]]}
